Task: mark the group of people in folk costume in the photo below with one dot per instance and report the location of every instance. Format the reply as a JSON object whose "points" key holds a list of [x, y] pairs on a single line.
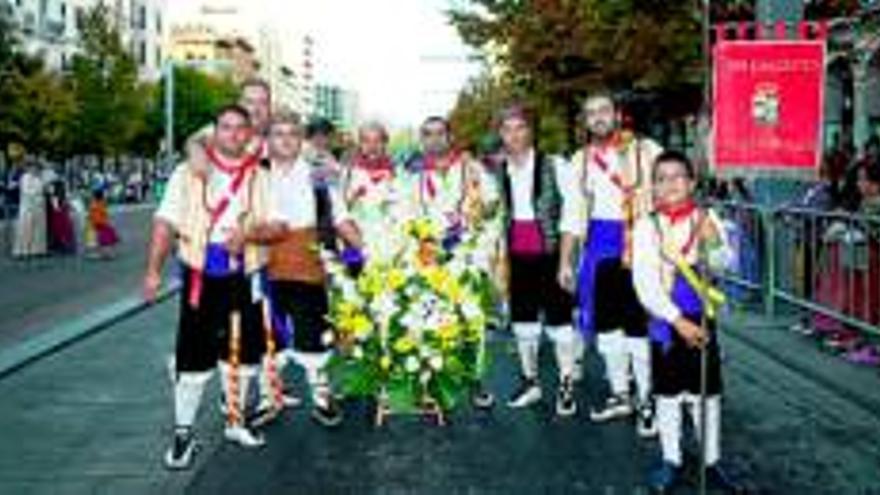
{"points": [[612, 237]]}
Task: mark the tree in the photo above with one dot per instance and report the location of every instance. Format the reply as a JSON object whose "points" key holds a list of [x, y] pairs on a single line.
{"points": [[36, 103], [111, 104], [557, 50], [197, 97]]}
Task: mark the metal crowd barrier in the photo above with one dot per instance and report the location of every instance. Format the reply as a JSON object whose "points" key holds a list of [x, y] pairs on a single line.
{"points": [[823, 264]]}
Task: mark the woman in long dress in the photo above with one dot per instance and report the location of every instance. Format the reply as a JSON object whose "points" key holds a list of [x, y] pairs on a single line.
{"points": [[30, 228]]}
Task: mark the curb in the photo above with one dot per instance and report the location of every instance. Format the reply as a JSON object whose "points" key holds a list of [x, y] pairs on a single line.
{"points": [[56, 338]]}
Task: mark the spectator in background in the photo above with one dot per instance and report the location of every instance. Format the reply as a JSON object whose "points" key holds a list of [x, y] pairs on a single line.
{"points": [[30, 228], [99, 220], [61, 232], [864, 273]]}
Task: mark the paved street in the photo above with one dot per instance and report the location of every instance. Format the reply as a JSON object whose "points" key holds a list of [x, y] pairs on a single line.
{"points": [[48, 291], [94, 418]]}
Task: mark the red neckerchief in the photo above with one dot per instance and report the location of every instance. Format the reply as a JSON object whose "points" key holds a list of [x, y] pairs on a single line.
{"points": [[241, 171], [378, 168], [680, 212], [675, 213], [434, 163]]}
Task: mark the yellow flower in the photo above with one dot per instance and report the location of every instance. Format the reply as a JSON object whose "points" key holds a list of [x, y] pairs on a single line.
{"points": [[404, 344], [396, 279], [448, 332], [361, 326], [385, 362]]}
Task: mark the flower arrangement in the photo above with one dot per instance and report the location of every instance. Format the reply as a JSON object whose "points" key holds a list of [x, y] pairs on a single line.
{"points": [[410, 327]]}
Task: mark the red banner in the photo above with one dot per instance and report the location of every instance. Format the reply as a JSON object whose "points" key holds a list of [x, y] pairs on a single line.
{"points": [[768, 102]]}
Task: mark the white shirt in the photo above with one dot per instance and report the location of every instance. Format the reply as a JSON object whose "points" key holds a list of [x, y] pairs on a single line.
{"points": [[522, 184], [293, 196], [597, 194], [171, 208], [653, 274]]}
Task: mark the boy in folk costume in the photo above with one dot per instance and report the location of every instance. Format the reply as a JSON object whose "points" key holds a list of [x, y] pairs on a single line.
{"points": [[295, 270], [669, 247], [615, 191], [531, 183], [218, 222]]}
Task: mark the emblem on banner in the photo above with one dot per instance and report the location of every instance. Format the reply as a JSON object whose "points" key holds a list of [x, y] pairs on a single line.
{"points": [[765, 105]]}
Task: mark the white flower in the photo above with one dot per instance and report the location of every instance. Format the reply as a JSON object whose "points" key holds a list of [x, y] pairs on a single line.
{"points": [[327, 338], [436, 362], [357, 352], [411, 364]]}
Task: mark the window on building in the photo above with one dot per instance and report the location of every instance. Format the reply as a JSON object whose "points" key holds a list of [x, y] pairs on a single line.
{"points": [[79, 13], [158, 22], [142, 17], [63, 11], [158, 55], [142, 52]]}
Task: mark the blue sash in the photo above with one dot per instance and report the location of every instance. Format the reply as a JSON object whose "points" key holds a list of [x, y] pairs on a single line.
{"points": [[688, 301], [218, 261], [604, 241]]}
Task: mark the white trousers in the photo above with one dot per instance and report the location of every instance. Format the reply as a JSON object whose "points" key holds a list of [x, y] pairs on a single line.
{"points": [[528, 339], [669, 424], [624, 357]]}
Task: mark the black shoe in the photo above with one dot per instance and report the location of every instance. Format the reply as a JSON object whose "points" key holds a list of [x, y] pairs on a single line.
{"points": [[328, 414], [719, 479], [183, 447], [646, 421], [664, 478], [565, 404]]}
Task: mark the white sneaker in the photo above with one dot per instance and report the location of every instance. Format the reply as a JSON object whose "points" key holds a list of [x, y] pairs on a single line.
{"points": [[528, 393], [180, 453], [244, 437], [615, 407]]}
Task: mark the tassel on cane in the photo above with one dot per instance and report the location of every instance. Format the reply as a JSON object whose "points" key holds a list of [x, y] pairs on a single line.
{"points": [[233, 410], [271, 367]]}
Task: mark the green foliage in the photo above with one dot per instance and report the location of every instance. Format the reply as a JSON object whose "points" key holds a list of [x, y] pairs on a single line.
{"points": [[553, 52], [111, 104]]}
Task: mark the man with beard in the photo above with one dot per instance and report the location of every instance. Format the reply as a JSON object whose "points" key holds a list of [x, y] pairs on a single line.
{"points": [[614, 169]]}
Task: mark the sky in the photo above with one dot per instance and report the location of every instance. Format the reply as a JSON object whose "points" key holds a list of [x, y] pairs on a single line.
{"points": [[401, 56]]}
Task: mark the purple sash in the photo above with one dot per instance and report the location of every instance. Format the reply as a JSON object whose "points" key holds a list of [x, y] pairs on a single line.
{"points": [[218, 261], [604, 241], [688, 301]]}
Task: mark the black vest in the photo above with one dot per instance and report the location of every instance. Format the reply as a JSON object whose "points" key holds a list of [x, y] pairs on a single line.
{"points": [[546, 199]]}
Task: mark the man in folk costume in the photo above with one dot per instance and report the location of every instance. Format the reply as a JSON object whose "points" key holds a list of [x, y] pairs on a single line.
{"points": [[369, 191], [295, 270], [671, 248], [615, 184], [256, 98], [531, 183], [218, 221], [453, 188]]}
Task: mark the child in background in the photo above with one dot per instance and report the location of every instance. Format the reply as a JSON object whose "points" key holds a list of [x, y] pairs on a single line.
{"points": [[99, 221]]}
